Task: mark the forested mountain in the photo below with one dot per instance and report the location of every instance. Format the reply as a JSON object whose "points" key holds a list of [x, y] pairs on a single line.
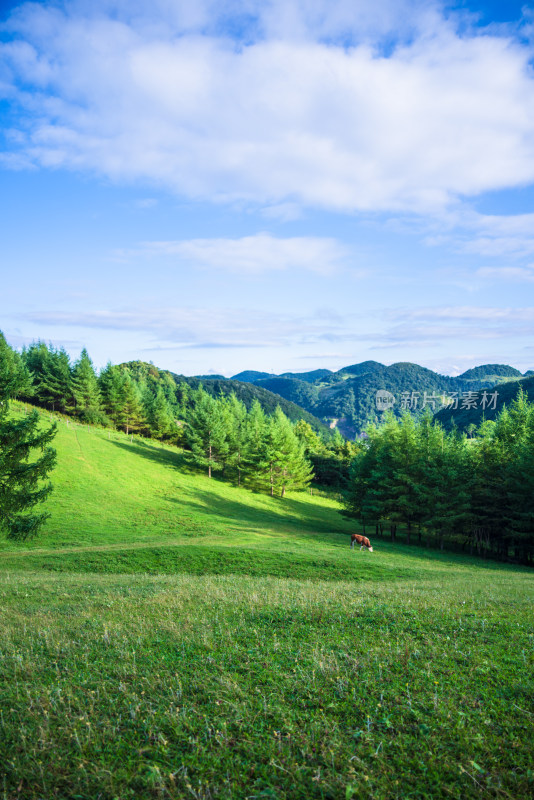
{"points": [[251, 376], [361, 369], [315, 376], [491, 373], [347, 398], [247, 393], [303, 394], [487, 407]]}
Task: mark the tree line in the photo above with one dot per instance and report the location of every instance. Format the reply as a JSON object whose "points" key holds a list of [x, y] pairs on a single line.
{"points": [[118, 397], [445, 487]]}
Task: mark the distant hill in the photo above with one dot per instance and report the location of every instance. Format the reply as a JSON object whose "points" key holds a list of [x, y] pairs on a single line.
{"points": [[485, 408], [251, 376], [300, 392], [315, 376], [356, 397], [364, 367], [211, 377], [491, 373]]}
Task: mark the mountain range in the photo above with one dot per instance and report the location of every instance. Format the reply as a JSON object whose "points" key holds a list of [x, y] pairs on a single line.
{"points": [[347, 399]]}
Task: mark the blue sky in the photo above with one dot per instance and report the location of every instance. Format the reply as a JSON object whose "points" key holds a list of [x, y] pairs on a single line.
{"points": [[276, 185]]}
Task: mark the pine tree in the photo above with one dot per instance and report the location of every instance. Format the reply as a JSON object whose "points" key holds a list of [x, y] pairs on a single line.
{"points": [[283, 462], [255, 433], [403, 476], [206, 433], [131, 417], [236, 435], [520, 485], [312, 441], [21, 472], [55, 380], [515, 429], [159, 415], [110, 382], [85, 391], [445, 478], [35, 358]]}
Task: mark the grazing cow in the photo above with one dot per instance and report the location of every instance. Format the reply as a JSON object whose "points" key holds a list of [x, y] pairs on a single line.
{"points": [[363, 541]]}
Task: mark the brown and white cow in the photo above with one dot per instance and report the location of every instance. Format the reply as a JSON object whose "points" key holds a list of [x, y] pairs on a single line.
{"points": [[363, 541]]}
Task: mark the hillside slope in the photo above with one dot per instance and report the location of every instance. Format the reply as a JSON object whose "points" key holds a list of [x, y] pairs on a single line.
{"points": [[123, 505]]}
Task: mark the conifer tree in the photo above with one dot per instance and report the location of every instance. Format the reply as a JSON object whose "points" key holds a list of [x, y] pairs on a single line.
{"points": [[159, 415], [520, 484], [21, 473], [55, 380], [312, 441], [131, 417], [283, 463], [402, 476], [110, 382], [444, 482], [34, 358], [236, 435], [206, 433], [85, 391], [255, 433]]}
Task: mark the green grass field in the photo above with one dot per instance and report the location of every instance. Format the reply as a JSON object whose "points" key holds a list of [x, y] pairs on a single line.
{"points": [[168, 636]]}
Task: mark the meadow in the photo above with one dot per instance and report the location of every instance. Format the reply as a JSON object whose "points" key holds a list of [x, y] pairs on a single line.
{"points": [[168, 636]]}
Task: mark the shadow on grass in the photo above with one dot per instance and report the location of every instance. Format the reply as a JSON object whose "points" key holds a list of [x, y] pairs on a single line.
{"points": [[289, 513], [290, 510], [450, 557], [156, 454]]}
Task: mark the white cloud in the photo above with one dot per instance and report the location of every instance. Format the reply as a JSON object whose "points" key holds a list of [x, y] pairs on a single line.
{"points": [[466, 313], [187, 327], [287, 115], [508, 273], [431, 326], [249, 254]]}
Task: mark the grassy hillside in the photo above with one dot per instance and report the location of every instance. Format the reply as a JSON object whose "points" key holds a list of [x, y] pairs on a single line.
{"points": [[169, 636], [114, 489]]}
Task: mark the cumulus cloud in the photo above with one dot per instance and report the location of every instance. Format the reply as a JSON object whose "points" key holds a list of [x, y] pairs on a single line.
{"points": [[296, 102], [249, 254]]}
